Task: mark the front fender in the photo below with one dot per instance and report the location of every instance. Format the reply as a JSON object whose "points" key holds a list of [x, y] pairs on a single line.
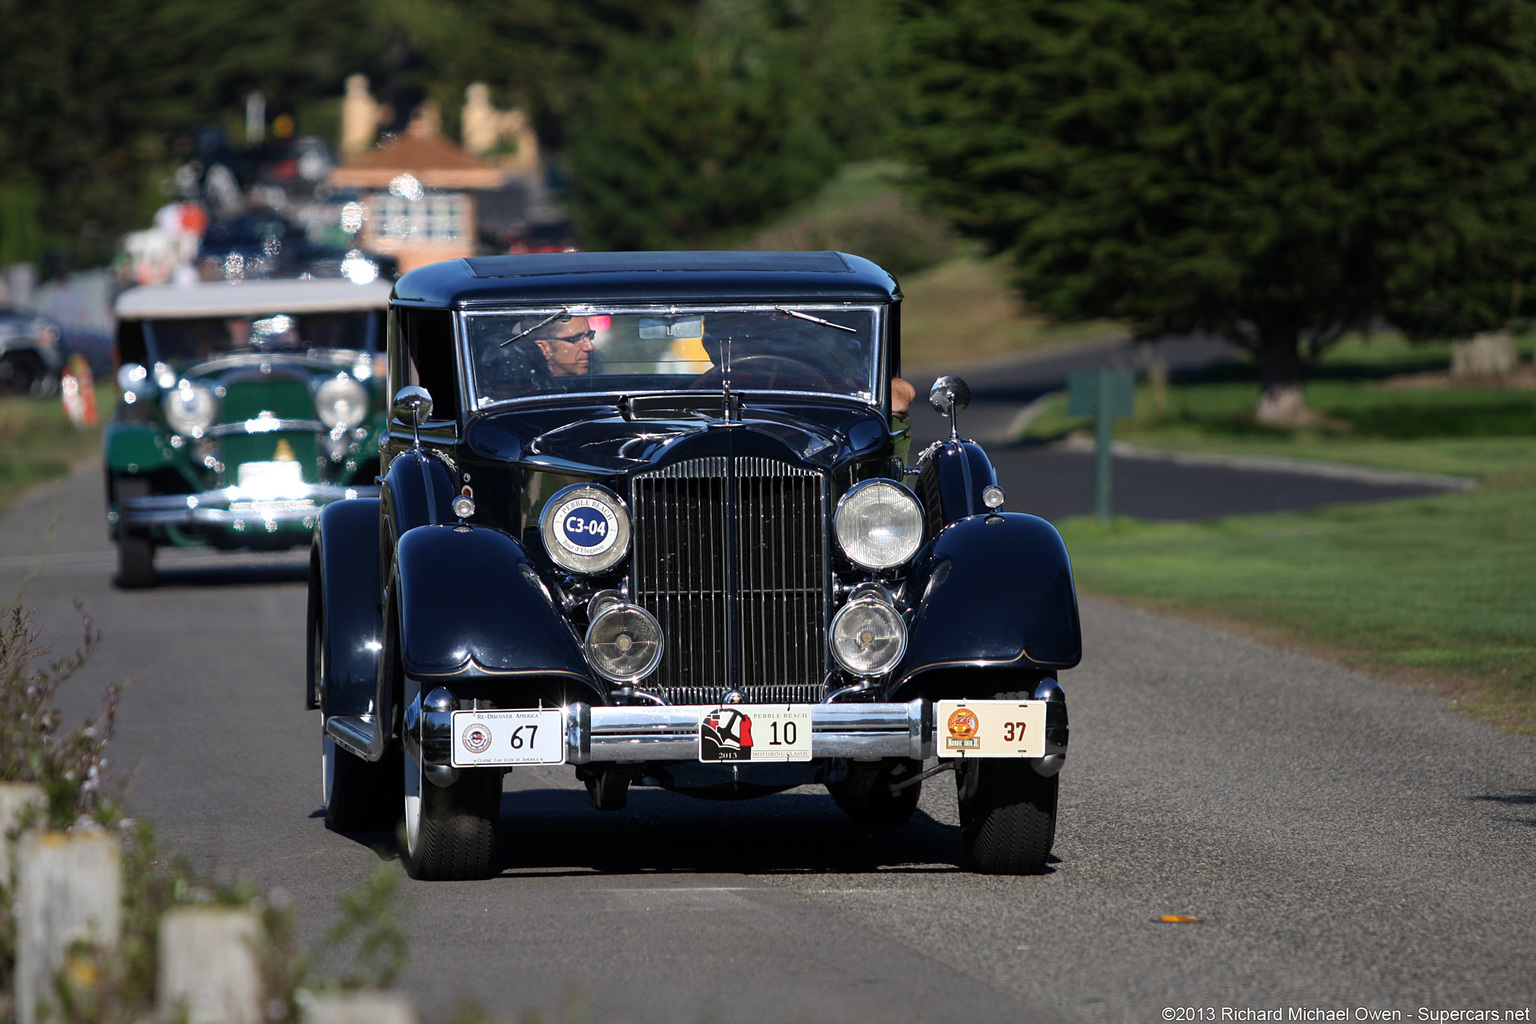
{"points": [[952, 476], [992, 591], [344, 589], [472, 604]]}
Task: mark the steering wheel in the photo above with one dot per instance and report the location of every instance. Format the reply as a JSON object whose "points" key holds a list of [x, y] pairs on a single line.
{"points": [[767, 371]]}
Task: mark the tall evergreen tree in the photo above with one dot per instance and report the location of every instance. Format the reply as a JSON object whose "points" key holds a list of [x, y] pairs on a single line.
{"points": [[720, 128], [1275, 171]]}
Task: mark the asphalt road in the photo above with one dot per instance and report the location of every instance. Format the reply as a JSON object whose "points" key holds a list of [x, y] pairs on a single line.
{"points": [[1057, 480], [1344, 842]]}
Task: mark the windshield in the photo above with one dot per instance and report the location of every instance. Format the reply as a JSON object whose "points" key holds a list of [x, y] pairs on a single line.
{"points": [[788, 348], [190, 340]]}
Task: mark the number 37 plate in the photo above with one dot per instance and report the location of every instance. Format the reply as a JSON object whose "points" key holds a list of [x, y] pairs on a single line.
{"points": [[990, 728], [485, 738]]}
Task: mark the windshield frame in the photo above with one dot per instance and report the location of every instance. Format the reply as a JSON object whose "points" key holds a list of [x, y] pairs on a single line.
{"points": [[373, 337], [877, 379]]}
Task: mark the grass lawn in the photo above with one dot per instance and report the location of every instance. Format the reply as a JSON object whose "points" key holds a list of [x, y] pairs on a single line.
{"points": [[1441, 588], [37, 443]]}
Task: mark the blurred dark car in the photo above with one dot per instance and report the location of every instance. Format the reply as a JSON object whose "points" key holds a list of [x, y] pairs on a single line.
{"points": [[264, 244], [30, 354]]}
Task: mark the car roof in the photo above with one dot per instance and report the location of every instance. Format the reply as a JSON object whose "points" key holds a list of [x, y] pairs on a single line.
{"points": [[247, 298], [693, 276]]}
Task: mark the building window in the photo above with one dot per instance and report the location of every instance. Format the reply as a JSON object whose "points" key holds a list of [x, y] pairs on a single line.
{"points": [[432, 219]]}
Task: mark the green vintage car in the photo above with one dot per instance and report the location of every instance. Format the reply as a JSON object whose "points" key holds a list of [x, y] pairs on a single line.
{"points": [[245, 409]]}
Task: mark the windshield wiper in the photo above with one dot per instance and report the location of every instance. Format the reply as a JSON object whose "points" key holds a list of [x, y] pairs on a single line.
{"points": [[815, 319], [524, 333]]}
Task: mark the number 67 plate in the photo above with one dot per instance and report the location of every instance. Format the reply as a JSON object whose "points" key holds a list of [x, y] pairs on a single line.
{"points": [[488, 738], [990, 728]]}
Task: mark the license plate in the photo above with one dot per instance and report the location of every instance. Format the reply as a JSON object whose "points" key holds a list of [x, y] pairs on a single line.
{"points": [[488, 738], [990, 728], [759, 733], [270, 479]]}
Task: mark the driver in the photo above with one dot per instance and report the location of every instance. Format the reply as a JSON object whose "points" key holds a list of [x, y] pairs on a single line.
{"points": [[566, 345], [540, 360]]}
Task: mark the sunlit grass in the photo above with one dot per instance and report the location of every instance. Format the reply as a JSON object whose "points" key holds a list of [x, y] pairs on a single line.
{"points": [[37, 442], [1441, 588]]}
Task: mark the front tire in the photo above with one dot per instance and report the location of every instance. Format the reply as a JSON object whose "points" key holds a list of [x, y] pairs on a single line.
{"points": [[450, 831], [1007, 816], [135, 551], [1007, 812]]}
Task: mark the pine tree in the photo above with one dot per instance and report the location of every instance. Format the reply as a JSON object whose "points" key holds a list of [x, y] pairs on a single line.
{"points": [[1275, 171]]}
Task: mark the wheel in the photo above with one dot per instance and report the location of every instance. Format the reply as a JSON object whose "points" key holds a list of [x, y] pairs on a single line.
{"points": [[866, 797], [450, 831], [359, 796], [1007, 813], [135, 561], [23, 373], [135, 551]]}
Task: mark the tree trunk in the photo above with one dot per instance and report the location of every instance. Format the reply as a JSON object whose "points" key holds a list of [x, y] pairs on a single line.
{"points": [[1282, 400]]}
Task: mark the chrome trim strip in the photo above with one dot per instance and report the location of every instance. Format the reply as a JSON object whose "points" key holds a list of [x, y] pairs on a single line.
{"points": [[230, 504], [352, 733], [671, 732], [265, 426]]}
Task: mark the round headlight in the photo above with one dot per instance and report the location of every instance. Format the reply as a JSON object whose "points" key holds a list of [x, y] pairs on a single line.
{"points": [[341, 402], [879, 524], [624, 643], [189, 408], [585, 528], [868, 637]]}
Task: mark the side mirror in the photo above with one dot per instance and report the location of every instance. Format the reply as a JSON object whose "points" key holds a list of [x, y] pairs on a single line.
{"points": [[948, 396], [412, 405]]}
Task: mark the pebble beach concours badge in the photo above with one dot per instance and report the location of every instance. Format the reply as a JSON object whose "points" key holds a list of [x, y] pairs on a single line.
{"points": [[963, 727], [477, 738], [586, 526]]}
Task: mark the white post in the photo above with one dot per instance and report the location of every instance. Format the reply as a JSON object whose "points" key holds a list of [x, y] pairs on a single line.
{"points": [[209, 967], [68, 889], [357, 1008], [15, 797]]}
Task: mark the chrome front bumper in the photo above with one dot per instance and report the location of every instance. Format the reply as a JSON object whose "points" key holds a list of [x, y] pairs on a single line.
{"points": [[235, 508], [671, 733], [659, 733]]}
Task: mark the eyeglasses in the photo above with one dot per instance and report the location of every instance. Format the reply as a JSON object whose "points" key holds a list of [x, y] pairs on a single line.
{"points": [[577, 339]]}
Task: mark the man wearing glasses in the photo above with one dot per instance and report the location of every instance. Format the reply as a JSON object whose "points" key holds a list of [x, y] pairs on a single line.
{"points": [[567, 346]]}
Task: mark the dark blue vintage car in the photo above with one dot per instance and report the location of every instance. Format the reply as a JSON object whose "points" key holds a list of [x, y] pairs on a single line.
{"points": [[643, 514]]}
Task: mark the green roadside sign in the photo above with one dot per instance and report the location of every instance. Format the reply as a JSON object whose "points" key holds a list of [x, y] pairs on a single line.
{"points": [[1105, 394]]}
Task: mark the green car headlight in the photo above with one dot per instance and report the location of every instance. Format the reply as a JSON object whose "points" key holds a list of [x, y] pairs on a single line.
{"points": [[189, 408], [341, 402]]}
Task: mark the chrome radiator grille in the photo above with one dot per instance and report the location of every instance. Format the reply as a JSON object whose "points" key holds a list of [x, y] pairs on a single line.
{"points": [[729, 556]]}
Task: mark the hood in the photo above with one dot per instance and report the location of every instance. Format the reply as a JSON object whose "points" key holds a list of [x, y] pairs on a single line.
{"points": [[603, 440]]}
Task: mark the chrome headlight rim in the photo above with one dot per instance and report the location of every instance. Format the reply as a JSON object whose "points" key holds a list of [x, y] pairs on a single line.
{"points": [[628, 619], [334, 395], [566, 543], [868, 603], [190, 407], [856, 545]]}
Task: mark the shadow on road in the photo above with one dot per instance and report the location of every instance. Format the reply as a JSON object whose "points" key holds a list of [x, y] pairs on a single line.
{"points": [[555, 833], [212, 570]]}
